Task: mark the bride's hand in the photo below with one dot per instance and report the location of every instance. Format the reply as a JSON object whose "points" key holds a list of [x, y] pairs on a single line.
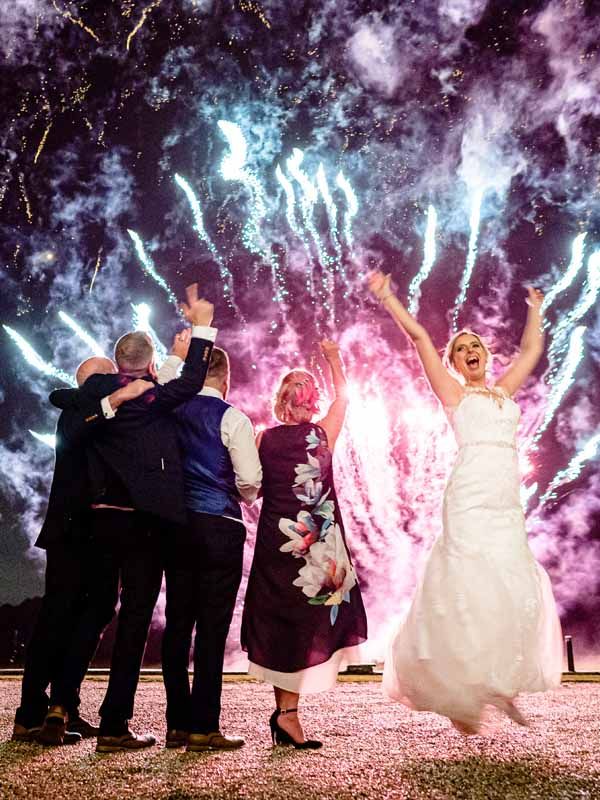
{"points": [[535, 298], [379, 284]]}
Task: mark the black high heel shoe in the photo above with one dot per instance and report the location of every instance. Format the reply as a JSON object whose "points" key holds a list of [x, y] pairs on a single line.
{"points": [[280, 736]]}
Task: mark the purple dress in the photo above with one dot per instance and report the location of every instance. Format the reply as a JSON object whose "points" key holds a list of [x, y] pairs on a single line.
{"points": [[303, 604]]}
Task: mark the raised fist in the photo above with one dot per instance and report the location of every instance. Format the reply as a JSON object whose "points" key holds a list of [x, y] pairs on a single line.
{"points": [[197, 311]]}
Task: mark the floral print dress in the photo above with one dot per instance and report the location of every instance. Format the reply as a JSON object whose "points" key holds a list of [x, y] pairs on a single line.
{"points": [[303, 606]]}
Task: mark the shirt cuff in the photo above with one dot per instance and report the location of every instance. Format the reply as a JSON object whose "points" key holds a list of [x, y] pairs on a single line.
{"points": [[107, 409], [204, 332], [173, 359]]}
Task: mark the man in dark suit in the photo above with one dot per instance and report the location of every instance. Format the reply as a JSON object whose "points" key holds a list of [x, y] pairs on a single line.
{"points": [[68, 628], [137, 490]]}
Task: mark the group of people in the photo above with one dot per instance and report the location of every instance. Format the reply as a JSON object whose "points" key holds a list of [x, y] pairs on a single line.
{"points": [[150, 473]]}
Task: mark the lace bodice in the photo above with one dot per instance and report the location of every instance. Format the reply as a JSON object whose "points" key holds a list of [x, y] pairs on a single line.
{"points": [[485, 417]]}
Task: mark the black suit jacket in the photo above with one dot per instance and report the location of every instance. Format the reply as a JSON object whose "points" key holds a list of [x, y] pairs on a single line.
{"points": [[140, 444], [70, 490]]}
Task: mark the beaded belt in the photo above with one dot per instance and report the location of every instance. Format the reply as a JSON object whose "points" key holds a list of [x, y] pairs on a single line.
{"points": [[489, 443]]}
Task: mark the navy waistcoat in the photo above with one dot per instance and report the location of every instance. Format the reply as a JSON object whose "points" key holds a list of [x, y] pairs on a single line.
{"points": [[209, 479]]}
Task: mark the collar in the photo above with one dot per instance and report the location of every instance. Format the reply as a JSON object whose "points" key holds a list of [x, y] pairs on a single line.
{"points": [[209, 391]]}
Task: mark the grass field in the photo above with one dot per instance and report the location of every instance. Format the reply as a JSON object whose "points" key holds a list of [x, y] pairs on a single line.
{"points": [[372, 749]]}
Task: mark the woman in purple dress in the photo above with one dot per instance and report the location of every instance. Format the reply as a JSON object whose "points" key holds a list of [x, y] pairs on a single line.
{"points": [[303, 609]]}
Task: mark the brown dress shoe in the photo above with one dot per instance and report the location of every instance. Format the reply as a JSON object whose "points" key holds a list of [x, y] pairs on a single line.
{"points": [[199, 742], [22, 734], [80, 725], [54, 730], [128, 741], [176, 738]]}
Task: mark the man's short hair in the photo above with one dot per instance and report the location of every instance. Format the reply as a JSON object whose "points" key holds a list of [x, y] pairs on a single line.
{"points": [[134, 351], [219, 364]]}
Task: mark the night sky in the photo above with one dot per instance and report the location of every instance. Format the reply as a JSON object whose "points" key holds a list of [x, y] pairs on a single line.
{"points": [[457, 140]]}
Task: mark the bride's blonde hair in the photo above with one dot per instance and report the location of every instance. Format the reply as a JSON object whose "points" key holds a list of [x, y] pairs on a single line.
{"points": [[297, 398]]}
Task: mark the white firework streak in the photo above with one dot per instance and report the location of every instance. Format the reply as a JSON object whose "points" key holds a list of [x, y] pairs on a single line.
{"points": [[332, 214], [141, 322], [429, 254], [564, 382], [49, 439], [474, 223], [527, 492], [587, 300], [36, 361], [149, 267], [226, 275], [233, 168], [83, 334], [310, 196], [570, 273], [351, 205], [290, 214], [290, 207], [588, 452]]}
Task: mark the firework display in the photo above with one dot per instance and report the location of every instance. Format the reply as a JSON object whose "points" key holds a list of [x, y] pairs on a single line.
{"points": [[276, 156]]}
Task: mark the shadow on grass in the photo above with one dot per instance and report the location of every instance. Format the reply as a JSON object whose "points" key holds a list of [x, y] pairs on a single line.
{"points": [[17, 753], [481, 778]]}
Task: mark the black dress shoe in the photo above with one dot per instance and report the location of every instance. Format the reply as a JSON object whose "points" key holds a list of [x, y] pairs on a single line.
{"points": [[80, 725]]}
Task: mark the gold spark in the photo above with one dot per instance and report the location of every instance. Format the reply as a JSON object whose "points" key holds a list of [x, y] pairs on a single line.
{"points": [[96, 268], [76, 21], [3, 190], [127, 9], [248, 5], [25, 198], [42, 143], [79, 94], [142, 20]]}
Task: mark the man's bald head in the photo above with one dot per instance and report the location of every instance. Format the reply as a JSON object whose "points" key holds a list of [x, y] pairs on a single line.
{"points": [[96, 365]]}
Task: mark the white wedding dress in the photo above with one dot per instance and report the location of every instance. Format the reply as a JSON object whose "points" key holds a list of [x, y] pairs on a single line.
{"points": [[483, 625]]}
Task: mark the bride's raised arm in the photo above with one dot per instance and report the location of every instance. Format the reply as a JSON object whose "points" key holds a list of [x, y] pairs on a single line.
{"points": [[532, 345], [448, 390]]}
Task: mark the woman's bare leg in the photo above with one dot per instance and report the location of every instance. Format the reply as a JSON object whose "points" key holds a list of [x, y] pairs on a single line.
{"points": [[289, 722]]}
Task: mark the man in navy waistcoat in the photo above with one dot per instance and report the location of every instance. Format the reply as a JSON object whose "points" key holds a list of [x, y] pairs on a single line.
{"points": [[221, 469]]}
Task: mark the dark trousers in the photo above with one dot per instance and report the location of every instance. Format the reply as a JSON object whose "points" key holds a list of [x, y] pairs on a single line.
{"points": [[203, 577], [67, 630], [129, 551]]}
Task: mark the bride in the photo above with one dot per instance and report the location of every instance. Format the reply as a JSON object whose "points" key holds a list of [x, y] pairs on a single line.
{"points": [[483, 625]]}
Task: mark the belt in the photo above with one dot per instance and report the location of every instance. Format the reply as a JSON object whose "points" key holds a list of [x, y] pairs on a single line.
{"points": [[488, 443]]}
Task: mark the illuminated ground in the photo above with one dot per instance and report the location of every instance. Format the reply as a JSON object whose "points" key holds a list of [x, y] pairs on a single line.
{"points": [[372, 750]]}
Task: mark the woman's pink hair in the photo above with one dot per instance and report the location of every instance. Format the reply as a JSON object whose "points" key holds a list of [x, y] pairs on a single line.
{"points": [[297, 399]]}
